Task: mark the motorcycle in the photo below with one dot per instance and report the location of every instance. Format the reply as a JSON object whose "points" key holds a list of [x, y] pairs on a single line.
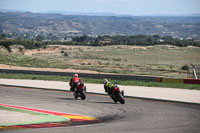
{"points": [[80, 91], [117, 95]]}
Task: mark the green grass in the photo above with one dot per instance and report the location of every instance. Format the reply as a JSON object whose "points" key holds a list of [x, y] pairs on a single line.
{"points": [[100, 81], [163, 60], [30, 61]]}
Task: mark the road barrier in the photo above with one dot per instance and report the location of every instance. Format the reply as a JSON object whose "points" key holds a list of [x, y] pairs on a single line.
{"points": [[108, 76], [172, 80], [175, 80], [191, 81], [85, 75]]}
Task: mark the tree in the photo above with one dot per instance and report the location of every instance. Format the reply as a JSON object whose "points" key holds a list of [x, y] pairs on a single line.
{"points": [[39, 37], [3, 36]]}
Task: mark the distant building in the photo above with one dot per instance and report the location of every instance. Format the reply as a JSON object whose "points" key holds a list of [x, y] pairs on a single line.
{"points": [[68, 39], [189, 38], [105, 42], [161, 40]]}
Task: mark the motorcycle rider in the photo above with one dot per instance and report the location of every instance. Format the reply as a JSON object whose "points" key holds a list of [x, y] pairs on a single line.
{"points": [[108, 86], [73, 82]]}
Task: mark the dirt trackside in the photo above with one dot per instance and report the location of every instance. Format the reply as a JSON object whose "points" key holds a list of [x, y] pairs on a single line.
{"points": [[3, 66]]}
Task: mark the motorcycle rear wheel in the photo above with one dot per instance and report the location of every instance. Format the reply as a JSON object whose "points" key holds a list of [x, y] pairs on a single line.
{"points": [[114, 99]]}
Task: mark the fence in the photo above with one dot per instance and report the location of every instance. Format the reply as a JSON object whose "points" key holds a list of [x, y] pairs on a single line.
{"points": [[194, 72]]}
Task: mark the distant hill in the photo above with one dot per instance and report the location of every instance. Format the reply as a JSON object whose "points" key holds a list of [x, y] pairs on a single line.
{"points": [[59, 25], [83, 13]]}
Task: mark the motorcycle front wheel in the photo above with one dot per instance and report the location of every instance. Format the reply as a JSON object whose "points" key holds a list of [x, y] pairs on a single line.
{"points": [[75, 95], [121, 98], [83, 95]]}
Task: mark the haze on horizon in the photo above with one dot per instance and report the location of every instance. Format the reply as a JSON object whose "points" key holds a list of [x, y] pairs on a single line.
{"points": [[123, 7]]}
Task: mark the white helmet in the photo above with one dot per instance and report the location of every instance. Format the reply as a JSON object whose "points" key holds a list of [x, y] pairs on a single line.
{"points": [[105, 81], [75, 75]]}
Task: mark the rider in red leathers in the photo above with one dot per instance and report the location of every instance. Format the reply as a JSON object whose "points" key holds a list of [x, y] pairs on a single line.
{"points": [[74, 81]]}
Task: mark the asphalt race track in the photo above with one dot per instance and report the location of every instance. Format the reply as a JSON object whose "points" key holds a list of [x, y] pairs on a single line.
{"points": [[136, 116]]}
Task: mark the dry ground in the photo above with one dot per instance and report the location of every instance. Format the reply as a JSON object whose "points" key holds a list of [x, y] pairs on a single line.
{"points": [[160, 60]]}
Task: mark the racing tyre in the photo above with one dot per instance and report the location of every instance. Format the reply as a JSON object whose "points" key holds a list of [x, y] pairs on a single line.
{"points": [[75, 95], [83, 95], [114, 99], [121, 99]]}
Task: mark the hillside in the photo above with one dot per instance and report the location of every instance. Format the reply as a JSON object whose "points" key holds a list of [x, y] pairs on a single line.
{"points": [[60, 26]]}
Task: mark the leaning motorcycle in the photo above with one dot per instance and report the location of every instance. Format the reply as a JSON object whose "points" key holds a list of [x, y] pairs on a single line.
{"points": [[80, 91], [117, 95]]}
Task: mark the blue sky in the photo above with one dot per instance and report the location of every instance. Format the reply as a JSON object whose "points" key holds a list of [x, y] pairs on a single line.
{"points": [[128, 7]]}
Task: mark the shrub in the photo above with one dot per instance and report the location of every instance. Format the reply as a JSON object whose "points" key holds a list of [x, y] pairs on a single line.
{"points": [[65, 54], [185, 67], [117, 59]]}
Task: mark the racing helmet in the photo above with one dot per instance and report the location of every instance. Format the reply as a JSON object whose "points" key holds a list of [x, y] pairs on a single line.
{"points": [[75, 75], [105, 81]]}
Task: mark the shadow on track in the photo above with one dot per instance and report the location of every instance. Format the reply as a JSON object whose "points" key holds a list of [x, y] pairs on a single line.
{"points": [[67, 98], [105, 102]]}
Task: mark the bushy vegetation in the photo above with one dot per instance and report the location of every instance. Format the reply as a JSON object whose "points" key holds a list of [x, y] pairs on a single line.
{"points": [[28, 44], [140, 40], [185, 67]]}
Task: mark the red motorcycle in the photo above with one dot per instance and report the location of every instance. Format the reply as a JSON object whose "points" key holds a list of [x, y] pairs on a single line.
{"points": [[80, 91], [117, 95]]}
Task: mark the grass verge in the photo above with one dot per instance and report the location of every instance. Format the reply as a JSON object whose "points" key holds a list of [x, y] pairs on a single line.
{"points": [[100, 81]]}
